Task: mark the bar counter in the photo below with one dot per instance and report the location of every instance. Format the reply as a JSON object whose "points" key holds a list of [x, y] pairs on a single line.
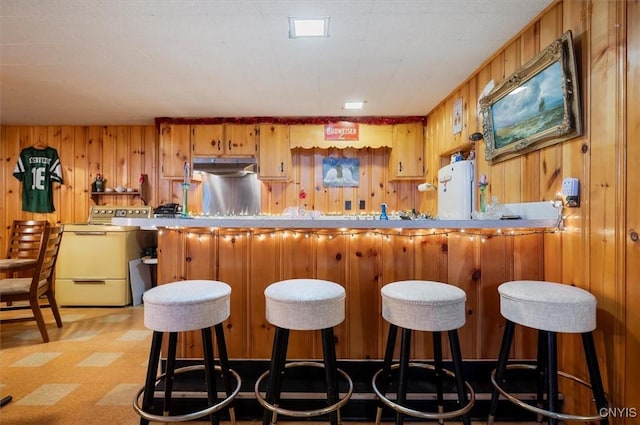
{"points": [[534, 215], [330, 222], [249, 253]]}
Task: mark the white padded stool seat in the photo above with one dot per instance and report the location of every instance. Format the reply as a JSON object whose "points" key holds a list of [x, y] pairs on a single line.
{"points": [[305, 304], [423, 305], [548, 306], [186, 305]]}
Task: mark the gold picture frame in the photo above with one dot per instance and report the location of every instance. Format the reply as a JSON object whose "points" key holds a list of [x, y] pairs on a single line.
{"points": [[537, 106]]}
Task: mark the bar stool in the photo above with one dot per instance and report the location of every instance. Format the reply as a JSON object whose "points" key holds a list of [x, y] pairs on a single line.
{"points": [[550, 308], [417, 305], [179, 307], [303, 304]]}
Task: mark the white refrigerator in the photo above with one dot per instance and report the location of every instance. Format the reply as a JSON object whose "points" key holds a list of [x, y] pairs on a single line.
{"points": [[456, 190]]}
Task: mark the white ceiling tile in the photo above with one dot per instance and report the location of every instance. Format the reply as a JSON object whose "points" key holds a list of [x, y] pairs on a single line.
{"points": [[119, 61]]}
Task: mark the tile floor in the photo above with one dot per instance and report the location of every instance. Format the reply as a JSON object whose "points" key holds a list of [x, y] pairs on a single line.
{"points": [[93, 364], [87, 374]]}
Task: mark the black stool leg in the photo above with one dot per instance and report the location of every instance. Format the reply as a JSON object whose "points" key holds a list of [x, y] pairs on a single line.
{"points": [[594, 374], [405, 349], [152, 370], [541, 372], [437, 362], [224, 366], [278, 360], [503, 357], [456, 354], [552, 358], [330, 371], [170, 372], [210, 372], [386, 367]]}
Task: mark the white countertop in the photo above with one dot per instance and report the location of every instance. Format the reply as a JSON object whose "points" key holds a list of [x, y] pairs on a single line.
{"points": [[270, 222], [535, 215]]}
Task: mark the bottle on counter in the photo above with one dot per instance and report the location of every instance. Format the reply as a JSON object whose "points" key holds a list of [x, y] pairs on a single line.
{"points": [[383, 212]]}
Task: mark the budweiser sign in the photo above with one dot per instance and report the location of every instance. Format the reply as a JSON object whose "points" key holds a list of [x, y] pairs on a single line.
{"points": [[342, 130]]}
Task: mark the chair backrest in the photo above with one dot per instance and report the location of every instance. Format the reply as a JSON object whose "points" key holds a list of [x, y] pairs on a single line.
{"points": [[25, 238], [43, 275]]}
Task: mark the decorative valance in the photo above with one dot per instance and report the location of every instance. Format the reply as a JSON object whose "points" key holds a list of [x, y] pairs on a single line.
{"points": [[291, 120], [313, 136], [309, 132]]}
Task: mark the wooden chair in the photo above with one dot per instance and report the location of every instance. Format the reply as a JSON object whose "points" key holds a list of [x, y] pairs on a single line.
{"points": [[31, 289], [25, 237]]}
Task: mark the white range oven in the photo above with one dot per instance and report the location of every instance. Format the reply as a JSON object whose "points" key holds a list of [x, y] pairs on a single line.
{"points": [[93, 263]]}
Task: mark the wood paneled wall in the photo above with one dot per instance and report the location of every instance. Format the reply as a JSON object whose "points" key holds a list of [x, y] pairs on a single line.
{"points": [[122, 153], [375, 186], [599, 250], [119, 153], [628, 290]]}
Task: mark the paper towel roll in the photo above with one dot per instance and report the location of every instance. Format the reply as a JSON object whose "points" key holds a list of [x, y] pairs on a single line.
{"points": [[423, 187]]}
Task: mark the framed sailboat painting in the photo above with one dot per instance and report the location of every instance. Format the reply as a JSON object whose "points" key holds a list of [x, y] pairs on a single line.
{"points": [[535, 107]]}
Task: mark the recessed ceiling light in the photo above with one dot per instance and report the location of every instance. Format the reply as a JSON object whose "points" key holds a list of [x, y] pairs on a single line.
{"points": [[353, 105], [308, 27]]}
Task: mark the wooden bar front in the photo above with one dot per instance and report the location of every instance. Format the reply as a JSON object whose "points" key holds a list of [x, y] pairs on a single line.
{"points": [[362, 261]]}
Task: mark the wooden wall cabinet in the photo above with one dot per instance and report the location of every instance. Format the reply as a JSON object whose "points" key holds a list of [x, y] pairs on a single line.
{"points": [[179, 142], [274, 153], [223, 139], [175, 150], [406, 161], [241, 139]]}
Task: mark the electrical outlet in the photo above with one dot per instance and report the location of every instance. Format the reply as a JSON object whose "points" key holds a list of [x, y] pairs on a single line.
{"points": [[362, 205], [347, 205], [571, 191]]}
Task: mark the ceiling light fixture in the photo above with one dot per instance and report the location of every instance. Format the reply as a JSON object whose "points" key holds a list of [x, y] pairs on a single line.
{"points": [[353, 105], [308, 27]]}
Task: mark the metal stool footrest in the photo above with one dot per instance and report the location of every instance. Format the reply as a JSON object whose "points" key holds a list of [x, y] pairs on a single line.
{"points": [[303, 413], [420, 414], [194, 415], [538, 410]]}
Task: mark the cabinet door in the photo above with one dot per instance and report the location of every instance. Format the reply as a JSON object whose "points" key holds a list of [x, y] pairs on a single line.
{"points": [[175, 149], [223, 139], [208, 139], [274, 162], [240, 139], [407, 153]]}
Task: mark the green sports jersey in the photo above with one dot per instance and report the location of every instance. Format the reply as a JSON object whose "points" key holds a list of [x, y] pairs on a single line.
{"points": [[37, 169]]}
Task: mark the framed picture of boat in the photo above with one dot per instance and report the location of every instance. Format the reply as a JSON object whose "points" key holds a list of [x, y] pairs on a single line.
{"points": [[537, 106]]}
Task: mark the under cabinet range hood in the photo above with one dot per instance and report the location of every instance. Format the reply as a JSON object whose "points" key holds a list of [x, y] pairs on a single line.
{"points": [[225, 165]]}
